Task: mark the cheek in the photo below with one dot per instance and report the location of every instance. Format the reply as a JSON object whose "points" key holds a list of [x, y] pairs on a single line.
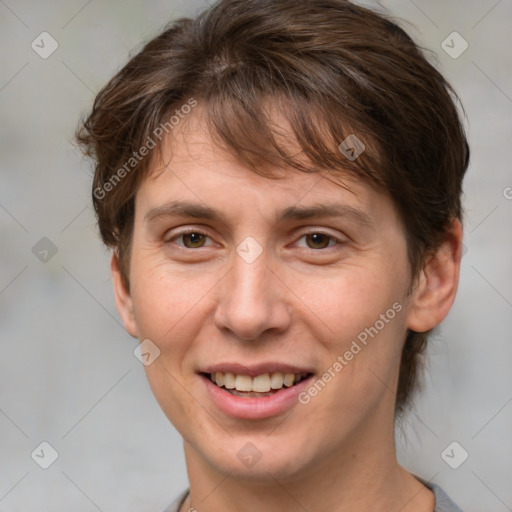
{"points": [[358, 315], [168, 307], [172, 308], [166, 301], [351, 300]]}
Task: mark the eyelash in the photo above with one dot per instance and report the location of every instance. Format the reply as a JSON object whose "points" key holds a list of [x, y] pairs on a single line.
{"points": [[313, 232]]}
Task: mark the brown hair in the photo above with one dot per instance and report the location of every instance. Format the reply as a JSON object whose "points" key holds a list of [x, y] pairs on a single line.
{"points": [[333, 69]]}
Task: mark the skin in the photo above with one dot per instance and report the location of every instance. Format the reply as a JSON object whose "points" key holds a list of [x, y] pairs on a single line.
{"points": [[302, 302]]}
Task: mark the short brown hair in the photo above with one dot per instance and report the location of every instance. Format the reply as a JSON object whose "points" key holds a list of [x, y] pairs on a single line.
{"points": [[334, 69]]}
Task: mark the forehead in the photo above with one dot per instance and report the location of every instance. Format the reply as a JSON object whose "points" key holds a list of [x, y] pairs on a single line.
{"points": [[194, 167]]}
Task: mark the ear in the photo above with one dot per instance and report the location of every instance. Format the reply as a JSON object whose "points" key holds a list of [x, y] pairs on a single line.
{"points": [[123, 297], [436, 286]]}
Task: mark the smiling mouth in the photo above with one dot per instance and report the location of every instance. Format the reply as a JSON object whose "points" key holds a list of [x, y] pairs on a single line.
{"points": [[260, 386]]}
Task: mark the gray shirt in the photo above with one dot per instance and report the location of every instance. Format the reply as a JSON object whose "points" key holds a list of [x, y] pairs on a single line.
{"points": [[443, 503]]}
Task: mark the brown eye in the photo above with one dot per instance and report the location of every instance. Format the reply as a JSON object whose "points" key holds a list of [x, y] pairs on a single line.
{"points": [[193, 240], [318, 240]]}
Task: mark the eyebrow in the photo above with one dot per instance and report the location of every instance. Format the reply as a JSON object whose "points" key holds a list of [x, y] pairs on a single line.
{"points": [[326, 210], [200, 211]]}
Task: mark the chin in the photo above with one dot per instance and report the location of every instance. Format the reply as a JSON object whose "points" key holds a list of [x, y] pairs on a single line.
{"points": [[257, 458]]}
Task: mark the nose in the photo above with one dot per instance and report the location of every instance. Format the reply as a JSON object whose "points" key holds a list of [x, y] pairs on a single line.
{"points": [[252, 300]]}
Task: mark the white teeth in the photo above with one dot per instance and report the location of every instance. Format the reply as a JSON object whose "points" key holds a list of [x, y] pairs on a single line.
{"points": [[277, 380], [229, 381], [243, 383], [260, 384], [288, 379]]}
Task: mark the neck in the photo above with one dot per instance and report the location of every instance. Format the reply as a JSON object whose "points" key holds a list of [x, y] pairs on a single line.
{"points": [[363, 474]]}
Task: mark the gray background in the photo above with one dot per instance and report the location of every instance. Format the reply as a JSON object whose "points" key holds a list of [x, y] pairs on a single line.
{"points": [[68, 375]]}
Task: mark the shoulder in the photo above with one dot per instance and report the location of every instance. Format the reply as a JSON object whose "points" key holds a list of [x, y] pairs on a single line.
{"points": [[176, 504], [443, 502]]}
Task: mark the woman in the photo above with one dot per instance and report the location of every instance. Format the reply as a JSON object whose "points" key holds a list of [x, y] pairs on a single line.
{"points": [[280, 183]]}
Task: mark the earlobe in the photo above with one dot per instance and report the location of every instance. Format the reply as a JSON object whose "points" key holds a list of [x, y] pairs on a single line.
{"points": [[436, 286], [123, 297]]}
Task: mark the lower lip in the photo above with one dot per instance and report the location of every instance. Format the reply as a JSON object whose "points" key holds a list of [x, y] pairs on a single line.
{"points": [[255, 408]]}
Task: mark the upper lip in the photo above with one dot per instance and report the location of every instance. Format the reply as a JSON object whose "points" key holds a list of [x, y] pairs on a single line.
{"points": [[255, 369]]}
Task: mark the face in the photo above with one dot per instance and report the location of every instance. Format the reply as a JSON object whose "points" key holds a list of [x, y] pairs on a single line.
{"points": [[298, 284]]}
